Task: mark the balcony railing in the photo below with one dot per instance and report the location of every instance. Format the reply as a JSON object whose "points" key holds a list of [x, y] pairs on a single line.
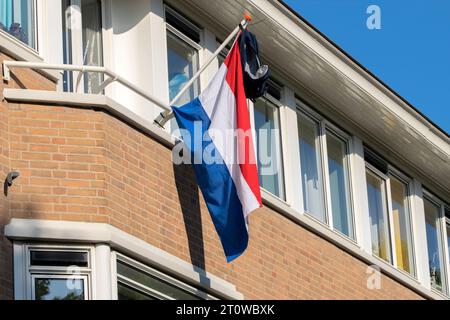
{"points": [[110, 77]]}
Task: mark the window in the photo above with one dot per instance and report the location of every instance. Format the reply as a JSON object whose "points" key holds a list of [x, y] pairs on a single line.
{"points": [[379, 229], [57, 273], [388, 192], [136, 281], [85, 47], [447, 224], [268, 146], [337, 151], [310, 163], [401, 224], [183, 39], [324, 168], [18, 18], [433, 219]]}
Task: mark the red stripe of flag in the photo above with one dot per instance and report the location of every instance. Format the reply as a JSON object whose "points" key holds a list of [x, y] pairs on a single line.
{"points": [[245, 143]]}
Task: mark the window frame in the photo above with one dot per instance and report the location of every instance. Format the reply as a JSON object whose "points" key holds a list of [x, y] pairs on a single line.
{"points": [[325, 126], [384, 177], [403, 178], [186, 21], [25, 273], [35, 12], [442, 241], [180, 35], [446, 235], [116, 278], [35, 276], [278, 106], [400, 176]]}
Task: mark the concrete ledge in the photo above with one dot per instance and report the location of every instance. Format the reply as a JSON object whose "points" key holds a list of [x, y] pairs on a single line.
{"points": [[93, 233]]}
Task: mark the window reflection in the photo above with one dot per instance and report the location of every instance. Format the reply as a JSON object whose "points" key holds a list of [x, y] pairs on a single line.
{"points": [[125, 292], [58, 289], [339, 185], [401, 224], [183, 63], [312, 181], [433, 232], [268, 147], [141, 280], [379, 228], [17, 17]]}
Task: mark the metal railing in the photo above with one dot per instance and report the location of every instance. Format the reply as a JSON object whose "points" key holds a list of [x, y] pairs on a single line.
{"points": [[111, 77]]}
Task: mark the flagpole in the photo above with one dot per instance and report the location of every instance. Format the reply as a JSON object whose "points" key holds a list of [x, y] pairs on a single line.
{"points": [[166, 115]]}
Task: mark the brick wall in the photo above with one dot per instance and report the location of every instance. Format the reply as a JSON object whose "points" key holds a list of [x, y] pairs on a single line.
{"points": [[86, 165]]}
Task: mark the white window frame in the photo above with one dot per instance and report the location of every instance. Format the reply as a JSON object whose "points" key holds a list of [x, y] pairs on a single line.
{"points": [[442, 242], [179, 34], [116, 256], [324, 127], [446, 248], [182, 36], [25, 273], [35, 11], [281, 157], [390, 219], [400, 176]]}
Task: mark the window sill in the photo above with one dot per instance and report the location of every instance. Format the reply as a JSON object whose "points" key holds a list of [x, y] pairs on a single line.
{"points": [[21, 52]]}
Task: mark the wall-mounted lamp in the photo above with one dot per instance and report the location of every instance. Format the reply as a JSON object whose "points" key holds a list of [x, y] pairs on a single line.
{"points": [[9, 181]]}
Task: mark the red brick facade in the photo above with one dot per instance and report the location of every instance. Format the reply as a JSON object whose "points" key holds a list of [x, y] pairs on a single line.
{"points": [[87, 165]]}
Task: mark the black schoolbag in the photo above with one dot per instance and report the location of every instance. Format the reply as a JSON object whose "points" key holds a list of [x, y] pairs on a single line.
{"points": [[255, 74]]}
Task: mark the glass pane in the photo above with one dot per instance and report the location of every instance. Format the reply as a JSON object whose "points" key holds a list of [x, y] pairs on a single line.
{"points": [[153, 282], [379, 227], [58, 258], [312, 182], [339, 186], [268, 147], [183, 63], [125, 292], [91, 17], [433, 241], [58, 289], [17, 18], [402, 224]]}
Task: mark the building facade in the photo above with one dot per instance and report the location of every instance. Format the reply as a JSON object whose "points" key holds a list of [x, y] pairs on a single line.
{"points": [[355, 185]]}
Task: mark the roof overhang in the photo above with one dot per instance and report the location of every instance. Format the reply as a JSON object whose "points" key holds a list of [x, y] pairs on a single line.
{"points": [[311, 62]]}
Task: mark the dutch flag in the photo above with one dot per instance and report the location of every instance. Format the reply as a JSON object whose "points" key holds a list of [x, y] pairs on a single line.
{"points": [[229, 183]]}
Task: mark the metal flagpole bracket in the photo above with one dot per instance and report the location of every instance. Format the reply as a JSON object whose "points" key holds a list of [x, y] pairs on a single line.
{"points": [[166, 115], [162, 119]]}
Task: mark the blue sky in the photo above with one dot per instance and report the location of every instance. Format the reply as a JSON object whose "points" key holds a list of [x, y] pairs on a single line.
{"points": [[410, 53]]}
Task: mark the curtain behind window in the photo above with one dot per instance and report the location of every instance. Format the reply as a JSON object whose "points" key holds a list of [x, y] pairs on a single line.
{"points": [[92, 42]]}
